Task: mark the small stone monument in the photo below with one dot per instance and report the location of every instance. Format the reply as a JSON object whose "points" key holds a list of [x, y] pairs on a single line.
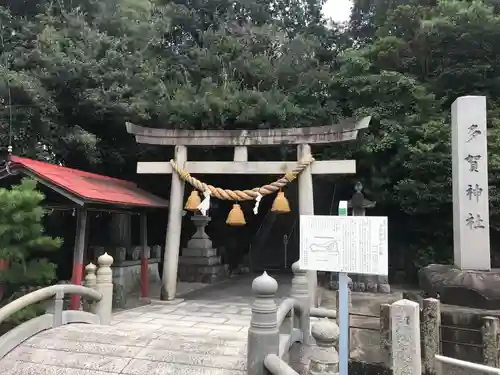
{"points": [[358, 202], [470, 282], [361, 283], [199, 261], [405, 329]]}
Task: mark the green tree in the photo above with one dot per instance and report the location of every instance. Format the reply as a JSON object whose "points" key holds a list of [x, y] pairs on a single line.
{"points": [[417, 59], [23, 245], [74, 71]]}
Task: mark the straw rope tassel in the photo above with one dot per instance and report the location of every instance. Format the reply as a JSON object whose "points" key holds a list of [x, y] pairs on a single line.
{"points": [[193, 202], [236, 218], [281, 204]]}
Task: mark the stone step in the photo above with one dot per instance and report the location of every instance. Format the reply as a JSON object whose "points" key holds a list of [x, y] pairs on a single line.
{"points": [[139, 335], [191, 344], [204, 344], [120, 360], [200, 261], [195, 252], [135, 367]]}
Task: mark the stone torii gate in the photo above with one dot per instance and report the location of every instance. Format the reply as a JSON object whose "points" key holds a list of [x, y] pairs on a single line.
{"points": [[346, 130]]}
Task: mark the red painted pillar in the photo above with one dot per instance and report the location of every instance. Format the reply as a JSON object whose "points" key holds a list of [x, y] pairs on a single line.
{"points": [[144, 257], [77, 276]]}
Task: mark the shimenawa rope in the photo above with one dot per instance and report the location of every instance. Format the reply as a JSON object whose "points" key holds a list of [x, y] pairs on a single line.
{"points": [[243, 195]]}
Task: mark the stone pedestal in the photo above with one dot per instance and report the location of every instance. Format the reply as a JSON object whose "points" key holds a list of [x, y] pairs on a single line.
{"points": [[199, 261], [453, 286]]}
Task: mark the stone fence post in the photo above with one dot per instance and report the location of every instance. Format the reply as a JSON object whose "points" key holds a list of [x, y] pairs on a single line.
{"points": [[263, 334], [300, 292], [405, 327], [90, 282], [385, 334], [324, 356], [490, 331], [104, 284], [431, 334], [90, 278]]}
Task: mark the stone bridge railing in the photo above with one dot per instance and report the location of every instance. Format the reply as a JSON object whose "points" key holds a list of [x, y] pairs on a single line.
{"points": [[99, 289], [409, 336], [273, 330]]}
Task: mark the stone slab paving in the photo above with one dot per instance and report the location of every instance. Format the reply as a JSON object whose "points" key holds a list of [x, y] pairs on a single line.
{"points": [[204, 335]]}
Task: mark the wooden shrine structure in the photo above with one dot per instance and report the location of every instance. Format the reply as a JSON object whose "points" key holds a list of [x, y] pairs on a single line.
{"points": [[346, 130], [86, 192]]}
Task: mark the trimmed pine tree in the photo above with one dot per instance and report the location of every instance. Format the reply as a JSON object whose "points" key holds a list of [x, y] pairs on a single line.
{"points": [[23, 244]]}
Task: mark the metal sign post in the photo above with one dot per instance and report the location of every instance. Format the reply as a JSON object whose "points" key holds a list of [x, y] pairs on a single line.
{"points": [[343, 310]]}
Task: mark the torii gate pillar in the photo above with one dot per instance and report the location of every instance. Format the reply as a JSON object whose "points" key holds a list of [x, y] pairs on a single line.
{"points": [[306, 207], [346, 130], [173, 237]]}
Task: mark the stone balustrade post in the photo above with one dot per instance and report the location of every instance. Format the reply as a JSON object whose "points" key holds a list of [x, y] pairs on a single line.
{"points": [[90, 277], [430, 331], [263, 334], [405, 327], [490, 331], [104, 284], [324, 356], [58, 308], [90, 282], [385, 334], [55, 306], [300, 292]]}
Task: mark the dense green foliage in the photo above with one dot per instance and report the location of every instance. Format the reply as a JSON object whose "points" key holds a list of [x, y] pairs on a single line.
{"points": [[23, 245], [75, 71]]}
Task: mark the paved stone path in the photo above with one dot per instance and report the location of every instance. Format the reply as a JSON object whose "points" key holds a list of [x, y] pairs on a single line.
{"points": [[193, 337], [204, 335]]}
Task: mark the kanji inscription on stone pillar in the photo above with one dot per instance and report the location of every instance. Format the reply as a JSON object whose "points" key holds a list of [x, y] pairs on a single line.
{"points": [[471, 232]]}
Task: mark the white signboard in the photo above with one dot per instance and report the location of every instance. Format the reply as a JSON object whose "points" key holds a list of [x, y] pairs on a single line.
{"points": [[351, 244]]}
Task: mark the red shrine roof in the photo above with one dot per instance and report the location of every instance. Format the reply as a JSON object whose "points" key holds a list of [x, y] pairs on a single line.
{"points": [[88, 187]]}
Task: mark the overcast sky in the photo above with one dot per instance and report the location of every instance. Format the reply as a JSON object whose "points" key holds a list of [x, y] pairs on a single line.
{"points": [[339, 10]]}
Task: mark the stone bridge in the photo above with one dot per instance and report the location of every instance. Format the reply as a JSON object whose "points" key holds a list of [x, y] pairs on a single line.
{"points": [[207, 334], [234, 330], [198, 337]]}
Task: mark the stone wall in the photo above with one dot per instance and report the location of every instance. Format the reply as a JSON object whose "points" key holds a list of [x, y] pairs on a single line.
{"points": [[461, 332], [127, 269]]}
